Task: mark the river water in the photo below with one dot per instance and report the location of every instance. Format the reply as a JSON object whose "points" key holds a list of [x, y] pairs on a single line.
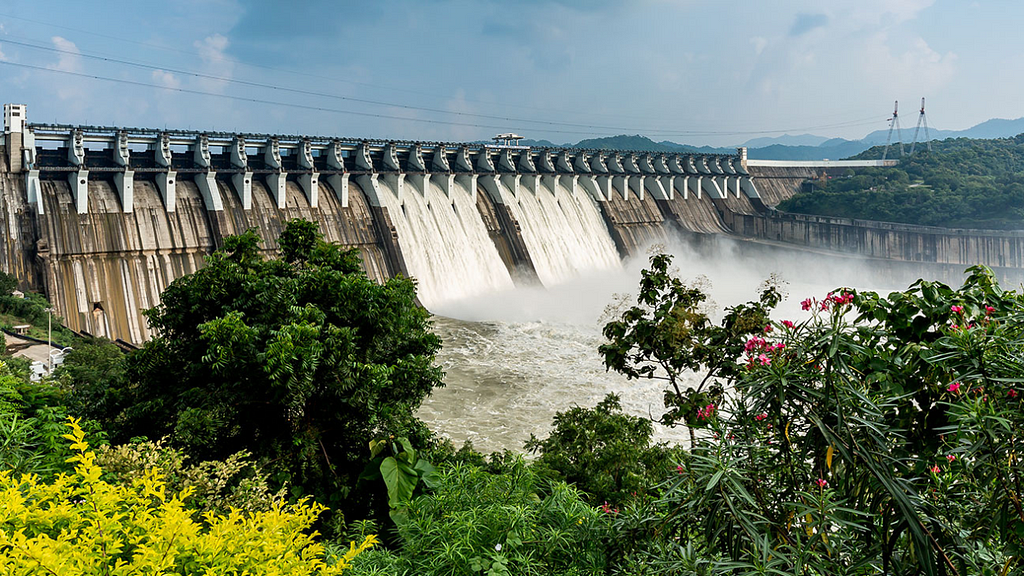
{"points": [[515, 357]]}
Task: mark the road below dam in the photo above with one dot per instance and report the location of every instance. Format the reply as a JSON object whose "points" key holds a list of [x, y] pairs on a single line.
{"points": [[102, 220]]}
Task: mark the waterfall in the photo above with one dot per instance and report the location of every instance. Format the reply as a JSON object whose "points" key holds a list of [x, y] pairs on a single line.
{"points": [[444, 242], [565, 233]]}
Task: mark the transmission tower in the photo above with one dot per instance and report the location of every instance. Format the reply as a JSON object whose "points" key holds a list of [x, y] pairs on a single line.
{"points": [[894, 122], [921, 119]]}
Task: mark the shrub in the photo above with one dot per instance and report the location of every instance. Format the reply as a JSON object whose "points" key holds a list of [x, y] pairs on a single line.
{"points": [[881, 435], [605, 453], [80, 524], [498, 524], [214, 486], [31, 426]]}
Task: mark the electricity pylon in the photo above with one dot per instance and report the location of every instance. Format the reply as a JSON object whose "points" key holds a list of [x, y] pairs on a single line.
{"points": [[894, 122], [921, 119]]}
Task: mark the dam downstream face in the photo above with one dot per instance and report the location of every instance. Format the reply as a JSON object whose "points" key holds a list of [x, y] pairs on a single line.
{"points": [[565, 234], [513, 359], [445, 243]]}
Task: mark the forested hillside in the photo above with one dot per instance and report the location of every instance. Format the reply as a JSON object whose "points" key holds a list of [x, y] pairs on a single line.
{"points": [[961, 183]]}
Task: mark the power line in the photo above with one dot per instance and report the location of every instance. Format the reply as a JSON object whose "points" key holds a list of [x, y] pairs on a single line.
{"points": [[277, 69], [846, 124], [377, 115], [398, 105]]}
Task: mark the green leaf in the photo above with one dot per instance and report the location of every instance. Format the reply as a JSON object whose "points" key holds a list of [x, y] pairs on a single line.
{"points": [[714, 480], [400, 482]]}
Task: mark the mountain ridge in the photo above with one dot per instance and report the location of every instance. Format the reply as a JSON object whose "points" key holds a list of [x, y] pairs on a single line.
{"points": [[794, 147]]}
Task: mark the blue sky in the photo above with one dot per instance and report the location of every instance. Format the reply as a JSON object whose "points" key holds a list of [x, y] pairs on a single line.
{"points": [[697, 72]]}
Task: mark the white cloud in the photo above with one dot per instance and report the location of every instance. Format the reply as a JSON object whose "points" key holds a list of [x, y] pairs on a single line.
{"points": [[166, 79], [212, 48], [759, 42], [918, 68], [216, 62], [69, 59]]}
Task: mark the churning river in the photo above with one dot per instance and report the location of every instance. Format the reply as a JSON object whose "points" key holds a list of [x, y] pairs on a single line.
{"points": [[515, 357]]}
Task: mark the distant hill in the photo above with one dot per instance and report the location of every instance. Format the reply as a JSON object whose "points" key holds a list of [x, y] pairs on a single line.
{"points": [[961, 183], [794, 147], [994, 128], [786, 140]]}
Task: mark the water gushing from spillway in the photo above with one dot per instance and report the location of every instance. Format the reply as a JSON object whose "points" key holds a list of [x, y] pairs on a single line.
{"points": [[445, 243], [513, 360], [564, 232]]}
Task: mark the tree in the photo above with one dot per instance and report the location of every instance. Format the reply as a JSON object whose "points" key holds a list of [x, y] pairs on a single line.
{"points": [[607, 454], [301, 361], [668, 334], [8, 284], [92, 374]]}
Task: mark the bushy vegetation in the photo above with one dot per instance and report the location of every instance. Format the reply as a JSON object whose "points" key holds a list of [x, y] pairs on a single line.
{"points": [[961, 183], [610, 456], [875, 434], [301, 360], [31, 310], [80, 524]]}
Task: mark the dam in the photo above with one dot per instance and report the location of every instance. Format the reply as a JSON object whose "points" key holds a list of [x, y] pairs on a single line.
{"points": [[102, 219]]}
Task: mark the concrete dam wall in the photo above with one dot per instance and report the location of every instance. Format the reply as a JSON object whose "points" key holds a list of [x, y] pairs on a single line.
{"points": [[102, 267], [102, 220]]}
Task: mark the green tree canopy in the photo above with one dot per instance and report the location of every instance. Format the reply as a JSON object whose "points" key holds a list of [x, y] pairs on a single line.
{"points": [[300, 361], [961, 183]]}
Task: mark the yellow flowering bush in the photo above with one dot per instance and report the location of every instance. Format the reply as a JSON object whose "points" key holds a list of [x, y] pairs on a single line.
{"points": [[80, 524]]}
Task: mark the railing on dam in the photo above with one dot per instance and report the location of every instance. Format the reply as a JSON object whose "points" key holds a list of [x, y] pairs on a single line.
{"points": [[823, 163], [78, 153]]}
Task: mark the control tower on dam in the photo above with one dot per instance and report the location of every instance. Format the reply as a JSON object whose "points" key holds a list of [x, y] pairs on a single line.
{"points": [[102, 219]]}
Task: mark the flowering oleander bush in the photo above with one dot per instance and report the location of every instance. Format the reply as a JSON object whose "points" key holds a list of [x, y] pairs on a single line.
{"points": [[879, 434], [80, 524]]}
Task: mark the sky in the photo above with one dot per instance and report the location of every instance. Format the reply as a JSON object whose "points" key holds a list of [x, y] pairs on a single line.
{"points": [[717, 73]]}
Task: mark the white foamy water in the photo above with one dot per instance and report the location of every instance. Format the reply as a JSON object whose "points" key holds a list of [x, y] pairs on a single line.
{"points": [[445, 243], [514, 359], [564, 233]]}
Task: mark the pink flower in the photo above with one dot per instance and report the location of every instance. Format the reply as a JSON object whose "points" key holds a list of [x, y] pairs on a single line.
{"points": [[954, 327], [764, 360], [954, 387], [825, 304], [1012, 393], [989, 310], [679, 469], [950, 457], [789, 324], [761, 416], [778, 346], [806, 304], [768, 328], [754, 343], [957, 309], [822, 483], [706, 411], [935, 469]]}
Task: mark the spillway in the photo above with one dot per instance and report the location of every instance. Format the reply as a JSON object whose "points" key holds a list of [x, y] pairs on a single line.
{"points": [[446, 246], [564, 232], [103, 219]]}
